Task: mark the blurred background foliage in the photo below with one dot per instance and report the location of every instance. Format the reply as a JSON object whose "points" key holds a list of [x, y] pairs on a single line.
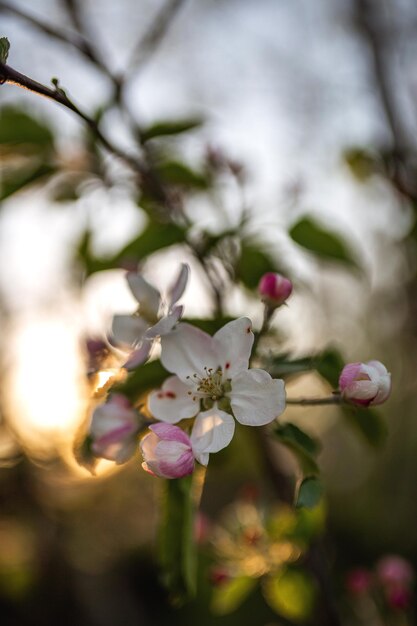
{"points": [[279, 137]]}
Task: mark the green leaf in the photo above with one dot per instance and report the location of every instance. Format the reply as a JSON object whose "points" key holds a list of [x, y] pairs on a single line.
{"points": [[209, 326], [362, 163], [301, 444], [309, 493], [18, 179], [84, 455], [231, 593], [176, 173], [154, 237], [253, 263], [368, 422], [291, 593], [177, 545], [281, 365], [148, 376], [20, 130], [4, 49], [329, 365], [170, 127], [326, 245]]}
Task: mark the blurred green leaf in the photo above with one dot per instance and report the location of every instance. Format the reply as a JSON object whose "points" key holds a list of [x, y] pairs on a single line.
{"points": [[228, 596], [84, 455], [326, 245], [368, 422], [329, 365], [177, 173], [291, 593], [362, 163], [209, 326], [20, 130], [148, 376], [282, 365], [4, 49], [301, 444], [170, 127], [309, 492], [154, 237], [177, 545], [253, 263], [19, 178]]}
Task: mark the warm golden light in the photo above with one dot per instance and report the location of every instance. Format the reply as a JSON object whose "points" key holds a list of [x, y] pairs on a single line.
{"points": [[47, 395]]}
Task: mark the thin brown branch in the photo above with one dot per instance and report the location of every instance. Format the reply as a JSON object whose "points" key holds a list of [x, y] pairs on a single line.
{"points": [[154, 34], [367, 15], [12, 76], [75, 40]]}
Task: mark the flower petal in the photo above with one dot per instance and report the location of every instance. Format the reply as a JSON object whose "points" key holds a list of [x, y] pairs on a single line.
{"points": [[233, 345], [172, 402], [256, 398], [187, 351], [175, 459], [148, 297], [138, 356], [165, 324], [128, 330], [170, 432], [178, 287], [212, 431]]}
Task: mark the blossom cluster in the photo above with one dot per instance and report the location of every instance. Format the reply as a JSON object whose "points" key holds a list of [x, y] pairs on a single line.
{"points": [[211, 383]]}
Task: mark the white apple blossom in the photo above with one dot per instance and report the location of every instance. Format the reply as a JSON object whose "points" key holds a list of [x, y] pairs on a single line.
{"points": [[153, 318], [212, 381]]}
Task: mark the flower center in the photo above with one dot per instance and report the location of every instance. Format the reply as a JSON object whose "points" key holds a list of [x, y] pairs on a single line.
{"points": [[211, 386]]}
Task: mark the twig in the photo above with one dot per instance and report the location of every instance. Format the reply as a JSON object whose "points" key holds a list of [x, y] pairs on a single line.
{"points": [[76, 40], [148, 44], [12, 76], [367, 19]]}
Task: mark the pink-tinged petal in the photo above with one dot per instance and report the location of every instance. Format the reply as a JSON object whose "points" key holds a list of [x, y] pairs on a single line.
{"points": [[168, 432], [165, 324], [148, 297], [350, 373], [139, 356], [378, 367], [187, 351], [176, 459], [213, 430], [382, 378], [168, 458], [172, 402], [118, 446], [178, 287], [256, 398], [128, 330], [233, 344], [109, 417]]}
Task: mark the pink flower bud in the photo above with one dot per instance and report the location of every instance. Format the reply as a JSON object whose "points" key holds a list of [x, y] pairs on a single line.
{"points": [[365, 383], [113, 429], [274, 289], [167, 451], [358, 581], [399, 598], [394, 571]]}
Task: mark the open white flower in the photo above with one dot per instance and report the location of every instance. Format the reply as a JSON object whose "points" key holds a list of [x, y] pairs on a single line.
{"points": [[153, 318], [212, 373]]}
